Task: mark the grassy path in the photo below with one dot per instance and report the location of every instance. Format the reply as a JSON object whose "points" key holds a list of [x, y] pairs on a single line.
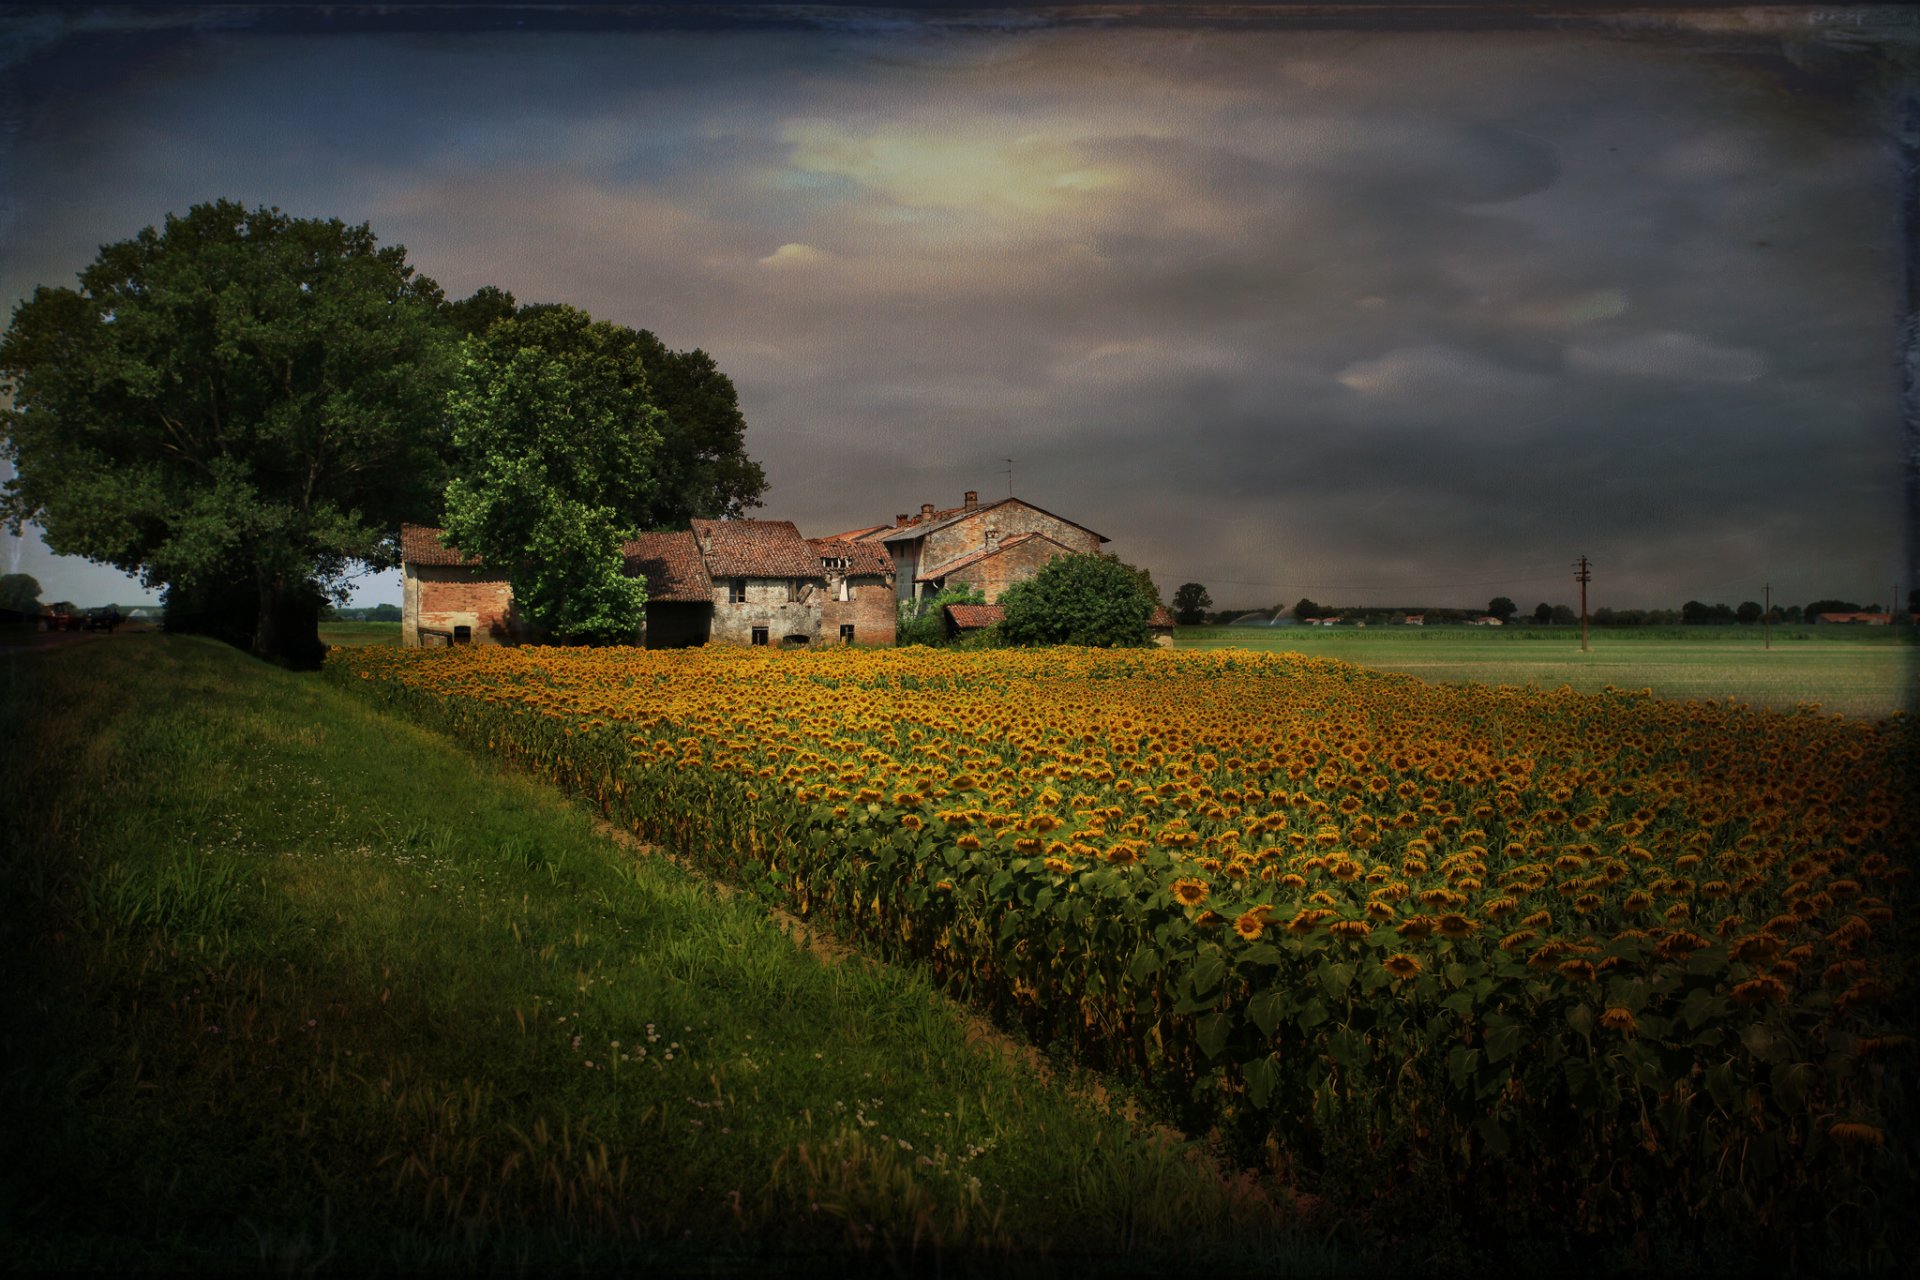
{"points": [[292, 985]]}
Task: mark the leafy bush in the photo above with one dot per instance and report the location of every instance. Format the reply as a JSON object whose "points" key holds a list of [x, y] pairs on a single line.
{"points": [[1081, 600]]}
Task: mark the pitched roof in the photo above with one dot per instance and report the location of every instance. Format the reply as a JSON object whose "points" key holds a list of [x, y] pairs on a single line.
{"points": [[921, 526], [974, 557], [1160, 617], [852, 534], [755, 549], [862, 557], [971, 617], [420, 544], [672, 566]]}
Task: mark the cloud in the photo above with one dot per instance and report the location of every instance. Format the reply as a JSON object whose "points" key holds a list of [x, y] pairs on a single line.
{"points": [[793, 255], [1679, 356], [1435, 375]]}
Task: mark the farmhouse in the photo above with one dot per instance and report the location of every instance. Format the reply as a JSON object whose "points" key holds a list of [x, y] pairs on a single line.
{"points": [[990, 547], [730, 581]]}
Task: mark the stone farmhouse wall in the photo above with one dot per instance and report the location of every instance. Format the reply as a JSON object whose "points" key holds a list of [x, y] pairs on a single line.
{"points": [[769, 603], [967, 535]]}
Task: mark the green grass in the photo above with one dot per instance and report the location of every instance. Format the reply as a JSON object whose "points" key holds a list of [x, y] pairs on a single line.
{"points": [[293, 985], [1868, 672], [358, 633]]}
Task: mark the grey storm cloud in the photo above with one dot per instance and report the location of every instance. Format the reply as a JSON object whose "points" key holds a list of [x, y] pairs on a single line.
{"points": [[1364, 312]]}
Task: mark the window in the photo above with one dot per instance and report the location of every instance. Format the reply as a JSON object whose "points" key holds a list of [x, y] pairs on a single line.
{"points": [[846, 633], [846, 590], [759, 635], [463, 635], [793, 590], [736, 590]]}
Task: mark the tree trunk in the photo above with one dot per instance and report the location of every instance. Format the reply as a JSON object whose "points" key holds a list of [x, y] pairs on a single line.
{"points": [[287, 630]]}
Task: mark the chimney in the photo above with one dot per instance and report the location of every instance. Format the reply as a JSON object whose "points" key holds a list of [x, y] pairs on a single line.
{"points": [[971, 501], [926, 511], [900, 521]]}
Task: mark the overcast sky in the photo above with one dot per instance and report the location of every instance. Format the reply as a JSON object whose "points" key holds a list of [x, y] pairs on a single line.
{"points": [[1374, 316]]}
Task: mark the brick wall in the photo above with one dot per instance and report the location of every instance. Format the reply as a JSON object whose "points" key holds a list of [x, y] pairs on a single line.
{"points": [[442, 597], [871, 611], [998, 572]]}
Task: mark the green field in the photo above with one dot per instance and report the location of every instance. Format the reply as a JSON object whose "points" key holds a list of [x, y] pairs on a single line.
{"points": [[1857, 672], [352, 634]]}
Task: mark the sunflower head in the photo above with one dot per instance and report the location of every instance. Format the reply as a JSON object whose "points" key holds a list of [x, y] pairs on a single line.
{"points": [[1848, 1133], [1190, 892], [1619, 1019], [1401, 965]]}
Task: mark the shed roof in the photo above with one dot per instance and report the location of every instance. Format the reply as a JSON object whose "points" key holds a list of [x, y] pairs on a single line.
{"points": [[672, 566], [420, 544], [971, 617]]}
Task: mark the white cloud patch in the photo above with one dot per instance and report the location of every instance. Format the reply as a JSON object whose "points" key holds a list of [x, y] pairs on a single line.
{"points": [[1680, 356], [1432, 374], [793, 255]]}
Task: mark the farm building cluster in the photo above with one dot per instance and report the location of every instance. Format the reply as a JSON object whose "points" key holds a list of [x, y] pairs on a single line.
{"points": [[759, 582]]}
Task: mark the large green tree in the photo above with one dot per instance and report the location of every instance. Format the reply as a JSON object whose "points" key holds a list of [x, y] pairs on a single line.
{"points": [[1078, 599], [238, 407], [556, 441]]}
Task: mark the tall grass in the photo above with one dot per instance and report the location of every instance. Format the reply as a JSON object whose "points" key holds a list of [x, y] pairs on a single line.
{"points": [[295, 986]]}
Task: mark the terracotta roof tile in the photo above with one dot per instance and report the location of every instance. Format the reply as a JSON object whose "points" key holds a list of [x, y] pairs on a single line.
{"points": [[864, 557], [755, 549], [1160, 617], [971, 617], [852, 534], [420, 544], [672, 566]]}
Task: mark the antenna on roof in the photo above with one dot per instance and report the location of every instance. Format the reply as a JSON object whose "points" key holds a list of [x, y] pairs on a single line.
{"points": [[1009, 462]]}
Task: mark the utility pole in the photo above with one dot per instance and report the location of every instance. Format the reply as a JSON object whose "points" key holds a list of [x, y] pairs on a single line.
{"points": [[1009, 462], [1766, 617], [1583, 578]]}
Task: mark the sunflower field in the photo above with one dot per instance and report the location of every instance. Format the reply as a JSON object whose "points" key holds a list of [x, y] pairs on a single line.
{"points": [[1592, 961]]}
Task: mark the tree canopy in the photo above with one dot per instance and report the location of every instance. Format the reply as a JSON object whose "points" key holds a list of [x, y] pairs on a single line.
{"points": [[555, 442], [1078, 599], [236, 407], [1190, 603], [702, 468], [1502, 608]]}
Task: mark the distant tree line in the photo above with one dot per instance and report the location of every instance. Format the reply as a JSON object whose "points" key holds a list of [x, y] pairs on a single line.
{"points": [[1692, 613]]}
